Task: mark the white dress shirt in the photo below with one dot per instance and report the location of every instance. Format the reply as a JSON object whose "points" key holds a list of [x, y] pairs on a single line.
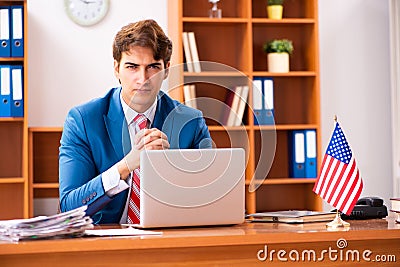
{"points": [[111, 179]]}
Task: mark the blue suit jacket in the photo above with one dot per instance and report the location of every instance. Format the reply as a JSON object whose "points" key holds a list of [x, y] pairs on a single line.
{"points": [[95, 137]]}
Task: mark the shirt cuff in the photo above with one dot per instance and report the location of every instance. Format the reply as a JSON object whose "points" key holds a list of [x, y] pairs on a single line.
{"points": [[112, 182]]}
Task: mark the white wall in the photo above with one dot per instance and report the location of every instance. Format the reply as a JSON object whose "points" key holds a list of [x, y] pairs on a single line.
{"points": [[355, 85], [69, 65], [394, 8]]}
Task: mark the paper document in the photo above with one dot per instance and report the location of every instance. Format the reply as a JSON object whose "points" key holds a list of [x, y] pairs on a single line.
{"points": [[70, 223], [129, 231], [292, 216]]}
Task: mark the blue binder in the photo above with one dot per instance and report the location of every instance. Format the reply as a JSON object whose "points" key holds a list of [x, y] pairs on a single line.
{"points": [[268, 105], [5, 46], [297, 160], [311, 154], [5, 91], [257, 100], [17, 103], [17, 31]]}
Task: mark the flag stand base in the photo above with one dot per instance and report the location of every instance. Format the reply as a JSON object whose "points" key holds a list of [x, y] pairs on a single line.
{"points": [[338, 222]]}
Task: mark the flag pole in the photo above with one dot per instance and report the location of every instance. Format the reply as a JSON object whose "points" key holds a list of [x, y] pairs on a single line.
{"points": [[337, 222]]}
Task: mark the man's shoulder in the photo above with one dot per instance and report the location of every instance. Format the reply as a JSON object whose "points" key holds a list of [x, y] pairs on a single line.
{"points": [[99, 104], [176, 106]]}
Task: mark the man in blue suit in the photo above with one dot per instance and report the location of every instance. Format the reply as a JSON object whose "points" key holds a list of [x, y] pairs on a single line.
{"points": [[100, 144]]}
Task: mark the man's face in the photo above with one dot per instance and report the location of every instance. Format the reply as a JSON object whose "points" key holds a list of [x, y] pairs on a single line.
{"points": [[141, 77]]}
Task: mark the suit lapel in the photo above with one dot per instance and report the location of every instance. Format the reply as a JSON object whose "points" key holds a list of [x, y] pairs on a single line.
{"points": [[116, 125], [162, 120]]}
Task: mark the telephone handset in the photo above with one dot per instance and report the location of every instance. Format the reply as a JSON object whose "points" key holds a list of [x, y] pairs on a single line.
{"points": [[367, 208], [370, 201]]}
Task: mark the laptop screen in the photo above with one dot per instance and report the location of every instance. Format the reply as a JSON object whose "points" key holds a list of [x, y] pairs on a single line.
{"points": [[192, 187]]}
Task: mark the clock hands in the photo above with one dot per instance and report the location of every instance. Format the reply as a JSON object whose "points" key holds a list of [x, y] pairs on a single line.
{"points": [[87, 2]]}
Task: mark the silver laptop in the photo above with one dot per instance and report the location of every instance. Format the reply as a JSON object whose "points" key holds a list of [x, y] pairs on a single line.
{"points": [[192, 187]]}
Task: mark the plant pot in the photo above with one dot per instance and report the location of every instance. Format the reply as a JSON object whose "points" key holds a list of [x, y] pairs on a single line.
{"points": [[275, 11], [278, 62]]}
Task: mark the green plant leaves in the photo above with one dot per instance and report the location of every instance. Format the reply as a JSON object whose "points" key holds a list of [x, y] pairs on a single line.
{"points": [[279, 46], [275, 2]]}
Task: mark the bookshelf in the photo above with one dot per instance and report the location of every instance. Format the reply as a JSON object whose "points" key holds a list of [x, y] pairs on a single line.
{"points": [[44, 143], [236, 40], [14, 139]]}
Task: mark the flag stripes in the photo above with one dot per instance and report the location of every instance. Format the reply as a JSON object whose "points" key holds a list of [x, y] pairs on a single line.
{"points": [[339, 182]]}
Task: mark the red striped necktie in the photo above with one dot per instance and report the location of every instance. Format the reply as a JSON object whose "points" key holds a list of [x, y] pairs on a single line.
{"points": [[134, 199]]}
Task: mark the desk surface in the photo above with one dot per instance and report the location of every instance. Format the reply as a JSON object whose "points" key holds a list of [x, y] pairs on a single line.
{"points": [[237, 244]]}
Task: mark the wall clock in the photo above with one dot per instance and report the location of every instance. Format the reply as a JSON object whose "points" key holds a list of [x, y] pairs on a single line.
{"points": [[86, 12]]}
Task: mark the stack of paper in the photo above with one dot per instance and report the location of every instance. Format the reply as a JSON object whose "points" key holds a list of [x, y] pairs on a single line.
{"points": [[70, 223]]}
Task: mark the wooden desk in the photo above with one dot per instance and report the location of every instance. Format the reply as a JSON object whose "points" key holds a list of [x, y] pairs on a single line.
{"points": [[223, 246]]}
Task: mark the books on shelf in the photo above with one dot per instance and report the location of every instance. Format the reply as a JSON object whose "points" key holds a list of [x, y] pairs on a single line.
{"points": [[303, 154], [236, 101], [11, 91], [226, 108], [193, 50], [263, 101], [12, 31], [188, 54], [190, 51], [292, 216], [189, 95], [234, 106], [241, 106]]}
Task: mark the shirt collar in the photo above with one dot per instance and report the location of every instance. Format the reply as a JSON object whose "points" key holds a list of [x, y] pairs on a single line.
{"points": [[130, 114]]}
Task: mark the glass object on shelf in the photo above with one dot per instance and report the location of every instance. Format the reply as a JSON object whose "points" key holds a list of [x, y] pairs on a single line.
{"points": [[214, 12]]}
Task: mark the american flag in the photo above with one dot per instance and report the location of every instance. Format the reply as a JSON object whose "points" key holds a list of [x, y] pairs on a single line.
{"points": [[339, 182]]}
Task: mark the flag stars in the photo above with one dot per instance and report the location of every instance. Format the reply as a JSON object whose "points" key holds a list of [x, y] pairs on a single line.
{"points": [[338, 147]]}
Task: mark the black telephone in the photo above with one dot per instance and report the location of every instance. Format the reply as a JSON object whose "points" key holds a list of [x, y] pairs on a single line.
{"points": [[367, 208]]}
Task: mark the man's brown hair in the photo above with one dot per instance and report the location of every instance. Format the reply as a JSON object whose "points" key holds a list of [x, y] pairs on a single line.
{"points": [[145, 33]]}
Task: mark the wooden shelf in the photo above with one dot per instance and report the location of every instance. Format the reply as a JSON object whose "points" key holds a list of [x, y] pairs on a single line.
{"points": [[11, 59], [277, 181], [245, 26], [14, 188], [228, 128], [283, 21], [214, 20], [214, 74], [45, 129], [9, 119], [47, 185], [289, 74], [43, 163], [286, 127], [263, 127], [12, 180]]}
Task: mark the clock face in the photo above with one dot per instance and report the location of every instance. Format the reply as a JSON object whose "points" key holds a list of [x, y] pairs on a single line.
{"points": [[86, 12]]}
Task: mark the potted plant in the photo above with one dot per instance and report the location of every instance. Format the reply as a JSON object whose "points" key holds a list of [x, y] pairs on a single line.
{"points": [[275, 9], [278, 51]]}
